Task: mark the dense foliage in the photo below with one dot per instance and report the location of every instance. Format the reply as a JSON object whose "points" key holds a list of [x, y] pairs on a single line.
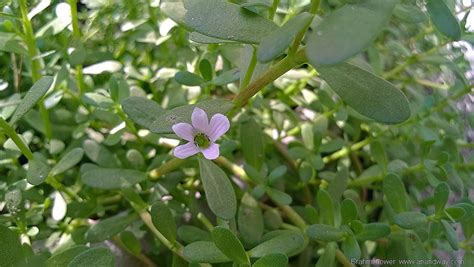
{"points": [[347, 143]]}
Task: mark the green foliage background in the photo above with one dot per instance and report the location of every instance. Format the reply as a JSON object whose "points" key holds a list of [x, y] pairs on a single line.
{"points": [[347, 142]]}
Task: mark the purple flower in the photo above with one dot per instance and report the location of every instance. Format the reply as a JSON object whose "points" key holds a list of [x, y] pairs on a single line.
{"points": [[202, 134]]}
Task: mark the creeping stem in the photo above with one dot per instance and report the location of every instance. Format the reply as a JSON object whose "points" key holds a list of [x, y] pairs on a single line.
{"points": [[30, 41], [16, 139], [272, 74]]}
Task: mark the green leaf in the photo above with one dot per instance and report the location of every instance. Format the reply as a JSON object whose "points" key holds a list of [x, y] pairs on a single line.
{"points": [[68, 161], [326, 207], [109, 227], [351, 247], [131, 242], [11, 251], [119, 89], [250, 220], [410, 219], [409, 13], [64, 257], [230, 245], [100, 154], [348, 211], [347, 31], [275, 43], [277, 173], [37, 172], [205, 68], [378, 153], [204, 252], [338, 184], [450, 235], [328, 257], [252, 142], [287, 243], [441, 196], [190, 234], [220, 194], [394, 191], [366, 93], [163, 220], [373, 231], [322, 232], [10, 44], [36, 92], [273, 260], [164, 122], [279, 197], [112, 178], [98, 100], [188, 78], [468, 259], [219, 19], [142, 111], [443, 19], [94, 257]]}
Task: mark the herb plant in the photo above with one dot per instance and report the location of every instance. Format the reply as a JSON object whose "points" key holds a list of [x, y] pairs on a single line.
{"points": [[236, 133]]}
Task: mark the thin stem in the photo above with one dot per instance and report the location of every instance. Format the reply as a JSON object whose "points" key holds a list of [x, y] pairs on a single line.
{"points": [[205, 221], [30, 41], [314, 8], [342, 259], [175, 247], [166, 168], [345, 151], [16, 139], [141, 257], [293, 216], [236, 170], [250, 69], [272, 74], [76, 31], [274, 8]]}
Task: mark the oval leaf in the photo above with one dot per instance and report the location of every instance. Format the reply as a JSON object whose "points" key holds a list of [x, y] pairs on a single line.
{"points": [[95, 257], [219, 19], [11, 251], [204, 252], [188, 78], [230, 245], [322, 232], [68, 161], [37, 91], [443, 19], [37, 172], [368, 94], [142, 111], [220, 194], [347, 31], [112, 178], [109, 227], [65, 257], [163, 220], [250, 220], [373, 231], [394, 191], [410, 219], [288, 243], [273, 260]]}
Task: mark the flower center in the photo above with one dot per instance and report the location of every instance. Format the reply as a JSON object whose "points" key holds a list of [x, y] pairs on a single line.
{"points": [[202, 141]]}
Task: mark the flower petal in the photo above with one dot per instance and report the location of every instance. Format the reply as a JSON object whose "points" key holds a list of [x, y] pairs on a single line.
{"points": [[184, 130], [186, 150], [212, 152], [199, 120], [218, 126]]}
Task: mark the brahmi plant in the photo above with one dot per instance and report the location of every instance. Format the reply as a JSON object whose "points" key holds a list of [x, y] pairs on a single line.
{"points": [[236, 133]]}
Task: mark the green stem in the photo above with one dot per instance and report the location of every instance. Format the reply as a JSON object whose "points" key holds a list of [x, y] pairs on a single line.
{"points": [[314, 8], [166, 168], [274, 8], [250, 69], [16, 139], [30, 41], [175, 247], [345, 151], [272, 74], [293, 216], [76, 31]]}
